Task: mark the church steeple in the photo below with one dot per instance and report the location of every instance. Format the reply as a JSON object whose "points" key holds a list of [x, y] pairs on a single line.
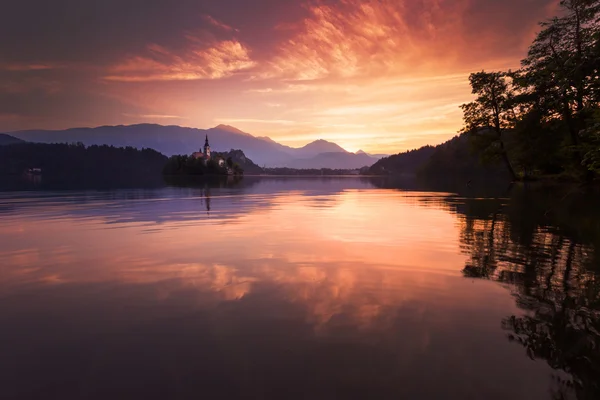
{"points": [[206, 147]]}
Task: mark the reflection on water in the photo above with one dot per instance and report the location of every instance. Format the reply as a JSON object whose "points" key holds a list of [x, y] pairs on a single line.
{"points": [[552, 271], [297, 288]]}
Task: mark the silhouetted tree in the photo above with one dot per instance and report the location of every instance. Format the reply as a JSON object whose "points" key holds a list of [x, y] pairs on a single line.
{"points": [[491, 114]]}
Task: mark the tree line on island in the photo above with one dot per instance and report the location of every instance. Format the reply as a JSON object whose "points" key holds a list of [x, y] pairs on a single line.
{"points": [[233, 162]]}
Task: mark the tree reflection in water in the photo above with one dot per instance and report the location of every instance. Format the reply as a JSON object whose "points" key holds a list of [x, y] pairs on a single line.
{"points": [[545, 248]]}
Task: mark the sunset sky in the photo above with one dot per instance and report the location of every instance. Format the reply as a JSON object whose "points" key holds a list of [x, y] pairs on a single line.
{"points": [[379, 75]]}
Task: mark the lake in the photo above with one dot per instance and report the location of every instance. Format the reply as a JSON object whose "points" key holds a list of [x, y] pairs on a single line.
{"points": [[341, 288]]}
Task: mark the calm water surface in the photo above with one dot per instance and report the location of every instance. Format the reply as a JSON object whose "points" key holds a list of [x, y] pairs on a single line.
{"points": [[295, 289]]}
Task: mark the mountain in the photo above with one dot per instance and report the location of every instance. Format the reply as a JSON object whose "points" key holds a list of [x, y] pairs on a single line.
{"points": [[377, 156], [238, 157], [333, 160], [7, 139], [229, 128], [172, 140], [318, 147]]}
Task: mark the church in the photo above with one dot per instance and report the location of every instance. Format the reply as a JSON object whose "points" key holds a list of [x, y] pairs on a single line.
{"points": [[205, 156]]}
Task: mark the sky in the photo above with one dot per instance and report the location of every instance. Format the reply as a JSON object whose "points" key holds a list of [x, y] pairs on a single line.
{"points": [[383, 76]]}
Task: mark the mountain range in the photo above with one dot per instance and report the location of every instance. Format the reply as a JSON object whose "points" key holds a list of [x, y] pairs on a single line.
{"points": [[172, 140]]}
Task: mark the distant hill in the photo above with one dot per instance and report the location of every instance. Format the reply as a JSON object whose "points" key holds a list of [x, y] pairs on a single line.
{"points": [[238, 157], [407, 163], [7, 139], [377, 156], [333, 160], [173, 140], [229, 128], [455, 158], [452, 159]]}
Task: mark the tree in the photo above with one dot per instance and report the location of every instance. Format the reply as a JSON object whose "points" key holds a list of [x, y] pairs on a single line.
{"points": [[561, 68], [492, 112], [591, 146]]}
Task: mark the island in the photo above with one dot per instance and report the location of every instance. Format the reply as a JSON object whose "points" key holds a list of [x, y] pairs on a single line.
{"points": [[205, 162]]}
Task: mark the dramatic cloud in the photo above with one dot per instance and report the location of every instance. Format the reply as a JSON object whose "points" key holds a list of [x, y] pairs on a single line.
{"points": [[219, 61], [364, 38]]}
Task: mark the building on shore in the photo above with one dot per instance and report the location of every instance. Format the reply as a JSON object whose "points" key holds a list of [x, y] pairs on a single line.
{"points": [[206, 154]]}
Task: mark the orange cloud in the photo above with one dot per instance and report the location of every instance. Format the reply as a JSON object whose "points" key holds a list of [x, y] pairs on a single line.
{"points": [[363, 38], [221, 60], [216, 23], [21, 67]]}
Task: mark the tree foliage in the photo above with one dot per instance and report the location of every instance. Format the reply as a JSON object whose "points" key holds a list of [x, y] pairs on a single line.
{"points": [[492, 113], [541, 120]]}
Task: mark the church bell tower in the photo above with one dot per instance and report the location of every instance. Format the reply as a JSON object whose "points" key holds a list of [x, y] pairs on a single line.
{"points": [[206, 148]]}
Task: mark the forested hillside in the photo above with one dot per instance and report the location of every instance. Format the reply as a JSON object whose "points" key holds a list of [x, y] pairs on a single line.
{"points": [[455, 159], [402, 164], [75, 163]]}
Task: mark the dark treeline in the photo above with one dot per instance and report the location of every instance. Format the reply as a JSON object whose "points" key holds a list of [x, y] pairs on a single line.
{"points": [[77, 165], [407, 163], [190, 166], [452, 162], [456, 160]]}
